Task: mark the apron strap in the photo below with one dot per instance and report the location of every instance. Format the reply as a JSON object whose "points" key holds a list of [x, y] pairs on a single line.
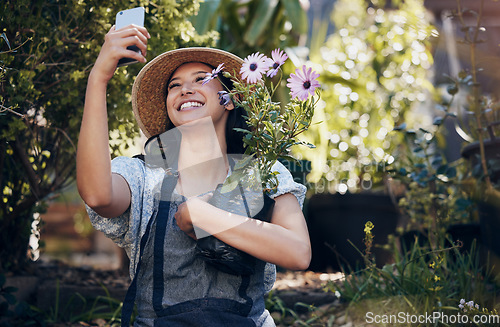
{"points": [[128, 302], [168, 186], [159, 242], [158, 259]]}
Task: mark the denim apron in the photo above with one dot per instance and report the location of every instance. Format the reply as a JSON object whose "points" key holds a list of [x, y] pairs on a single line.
{"points": [[207, 311]]}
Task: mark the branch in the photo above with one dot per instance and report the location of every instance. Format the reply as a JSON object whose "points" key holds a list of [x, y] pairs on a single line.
{"points": [[15, 49], [27, 203], [33, 178], [3, 108], [65, 135]]}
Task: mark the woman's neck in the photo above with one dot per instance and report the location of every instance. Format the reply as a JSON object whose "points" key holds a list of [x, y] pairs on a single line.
{"points": [[202, 160]]}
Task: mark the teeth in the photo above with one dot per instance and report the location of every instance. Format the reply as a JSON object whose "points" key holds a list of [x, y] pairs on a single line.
{"points": [[190, 104]]}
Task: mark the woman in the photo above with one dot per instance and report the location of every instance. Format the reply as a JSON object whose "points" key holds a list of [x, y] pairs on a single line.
{"points": [[158, 232]]}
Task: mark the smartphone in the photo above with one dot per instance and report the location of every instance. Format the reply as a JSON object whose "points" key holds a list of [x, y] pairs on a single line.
{"points": [[124, 18]]}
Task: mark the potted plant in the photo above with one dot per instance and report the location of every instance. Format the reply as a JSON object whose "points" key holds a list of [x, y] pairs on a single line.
{"points": [[370, 81]]}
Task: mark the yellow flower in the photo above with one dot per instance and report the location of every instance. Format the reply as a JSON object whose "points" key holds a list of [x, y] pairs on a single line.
{"points": [[432, 265], [368, 227], [441, 258], [437, 278]]}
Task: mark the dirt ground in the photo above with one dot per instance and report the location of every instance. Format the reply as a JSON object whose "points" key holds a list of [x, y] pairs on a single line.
{"points": [[296, 296]]}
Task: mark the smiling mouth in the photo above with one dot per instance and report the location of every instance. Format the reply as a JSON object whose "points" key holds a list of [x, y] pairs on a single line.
{"points": [[189, 105]]}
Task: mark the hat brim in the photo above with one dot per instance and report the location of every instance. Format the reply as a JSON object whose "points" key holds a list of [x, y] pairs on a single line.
{"points": [[150, 86]]}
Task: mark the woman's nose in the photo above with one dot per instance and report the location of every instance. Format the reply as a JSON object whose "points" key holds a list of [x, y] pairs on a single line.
{"points": [[187, 88]]}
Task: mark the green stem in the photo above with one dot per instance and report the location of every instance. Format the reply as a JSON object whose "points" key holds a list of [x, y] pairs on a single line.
{"points": [[476, 98]]}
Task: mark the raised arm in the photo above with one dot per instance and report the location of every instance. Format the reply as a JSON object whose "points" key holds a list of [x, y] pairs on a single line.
{"points": [[108, 194]]}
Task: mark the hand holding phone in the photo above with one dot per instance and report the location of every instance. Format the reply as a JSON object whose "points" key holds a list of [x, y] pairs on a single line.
{"points": [[127, 17]]}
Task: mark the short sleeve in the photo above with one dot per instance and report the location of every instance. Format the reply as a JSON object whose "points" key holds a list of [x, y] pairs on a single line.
{"points": [[286, 184], [122, 229]]}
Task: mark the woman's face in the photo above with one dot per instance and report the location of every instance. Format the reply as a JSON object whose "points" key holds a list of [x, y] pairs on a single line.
{"points": [[188, 100]]}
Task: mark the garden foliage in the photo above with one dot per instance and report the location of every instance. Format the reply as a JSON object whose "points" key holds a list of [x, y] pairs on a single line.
{"points": [[374, 70], [255, 25], [47, 51]]}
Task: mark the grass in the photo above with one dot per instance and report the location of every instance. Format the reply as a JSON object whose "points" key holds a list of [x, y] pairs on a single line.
{"points": [[83, 311], [421, 281]]}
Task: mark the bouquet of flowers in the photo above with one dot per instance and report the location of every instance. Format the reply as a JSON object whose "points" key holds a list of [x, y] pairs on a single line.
{"points": [[274, 129]]}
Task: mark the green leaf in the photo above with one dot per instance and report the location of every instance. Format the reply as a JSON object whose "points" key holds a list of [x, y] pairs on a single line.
{"points": [[267, 136], [462, 203], [242, 130], [229, 186], [11, 299], [437, 160], [261, 21], [273, 115], [442, 169], [438, 121], [451, 172], [452, 89], [243, 162], [287, 157], [4, 36], [400, 127], [206, 17], [441, 108], [296, 15]]}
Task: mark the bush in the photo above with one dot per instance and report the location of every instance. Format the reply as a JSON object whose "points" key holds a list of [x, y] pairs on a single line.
{"points": [[44, 86]]}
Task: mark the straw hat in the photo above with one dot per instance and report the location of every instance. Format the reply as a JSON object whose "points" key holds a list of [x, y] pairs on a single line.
{"points": [[150, 86]]}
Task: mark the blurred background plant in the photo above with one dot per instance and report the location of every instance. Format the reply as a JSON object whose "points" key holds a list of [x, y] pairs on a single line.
{"points": [[433, 199], [479, 118], [245, 27], [374, 70], [479, 114], [48, 49]]}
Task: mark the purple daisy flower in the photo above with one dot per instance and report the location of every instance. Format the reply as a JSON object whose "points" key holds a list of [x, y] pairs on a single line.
{"points": [[213, 74], [279, 58], [224, 97], [303, 83], [253, 67]]}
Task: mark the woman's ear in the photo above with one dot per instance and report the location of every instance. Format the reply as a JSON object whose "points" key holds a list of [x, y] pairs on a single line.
{"points": [[229, 105]]}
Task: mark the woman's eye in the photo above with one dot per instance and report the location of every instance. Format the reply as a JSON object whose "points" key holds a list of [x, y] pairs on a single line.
{"points": [[171, 86], [200, 78]]}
